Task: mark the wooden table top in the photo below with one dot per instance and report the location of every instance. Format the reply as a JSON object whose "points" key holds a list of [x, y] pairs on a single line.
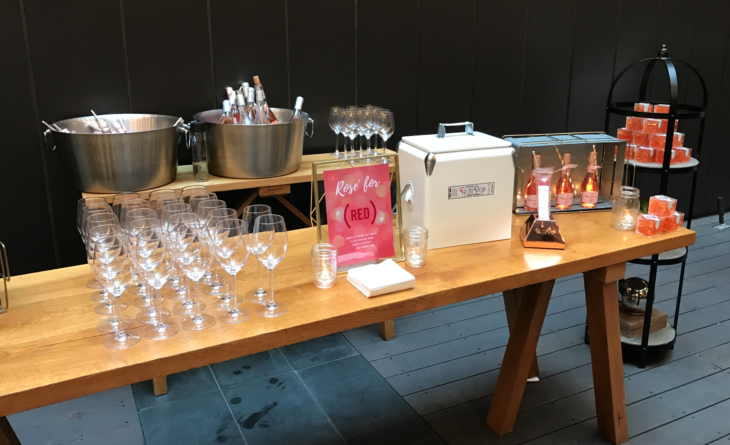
{"points": [[219, 184], [51, 350]]}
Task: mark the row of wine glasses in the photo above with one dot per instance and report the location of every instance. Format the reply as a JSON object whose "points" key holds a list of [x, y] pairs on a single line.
{"points": [[366, 122], [161, 244]]}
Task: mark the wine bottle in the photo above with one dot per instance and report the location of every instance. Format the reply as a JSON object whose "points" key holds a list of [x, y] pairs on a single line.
{"points": [[271, 117], [589, 187], [297, 116], [240, 109], [250, 106], [564, 189], [261, 117], [226, 117], [531, 189], [244, 90]]}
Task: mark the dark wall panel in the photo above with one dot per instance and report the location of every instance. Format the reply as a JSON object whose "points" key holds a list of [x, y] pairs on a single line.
{"points": [[499, 63], [547, 68], [322, 60], [78, 59], [596, 26], [249, 39], [169, 56], [388, 78], [28, 239], [445, 49]]}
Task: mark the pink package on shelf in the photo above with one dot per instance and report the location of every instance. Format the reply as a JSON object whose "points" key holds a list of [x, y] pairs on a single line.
{"points": [[641, 139], [648, 225], [644, 154], [661, 108], [659, 156], [655, 126], [634, 123], [678, 139], [644, 107], [625, 134], [672, 222], [682, 155]]}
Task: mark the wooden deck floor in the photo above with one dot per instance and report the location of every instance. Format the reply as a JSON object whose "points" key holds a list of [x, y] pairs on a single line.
{"points": [[444, 364]]}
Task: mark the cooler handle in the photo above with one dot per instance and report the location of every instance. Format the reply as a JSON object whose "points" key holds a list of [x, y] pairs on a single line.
{"points": [[407, 193], [468, 128]]}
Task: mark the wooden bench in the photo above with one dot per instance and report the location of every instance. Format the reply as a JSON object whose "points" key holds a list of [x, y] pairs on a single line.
{"points": [[52, 351]]}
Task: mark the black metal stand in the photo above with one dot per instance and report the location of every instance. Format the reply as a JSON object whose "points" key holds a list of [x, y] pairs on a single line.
{"points": [[666, 337]]}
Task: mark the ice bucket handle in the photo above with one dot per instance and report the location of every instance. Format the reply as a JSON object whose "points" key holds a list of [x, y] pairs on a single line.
{"points": [[309, 121], [5, 277], [468, 128], [45, 138]]}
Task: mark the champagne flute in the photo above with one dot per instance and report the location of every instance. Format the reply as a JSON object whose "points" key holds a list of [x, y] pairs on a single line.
{"points": [[156, 269], [334, 122], [111, 266], [269, 243], [195, 258], [249, 216], [232, 252]]}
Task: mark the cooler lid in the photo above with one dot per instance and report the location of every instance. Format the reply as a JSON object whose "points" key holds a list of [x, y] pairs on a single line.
{"points": [[454, 142]]}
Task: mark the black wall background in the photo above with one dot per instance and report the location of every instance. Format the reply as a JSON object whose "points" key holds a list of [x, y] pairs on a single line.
{"points": [[510, 66]]}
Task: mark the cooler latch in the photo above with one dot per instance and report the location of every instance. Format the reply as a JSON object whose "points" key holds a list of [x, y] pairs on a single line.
{"points": [[468, 128]]}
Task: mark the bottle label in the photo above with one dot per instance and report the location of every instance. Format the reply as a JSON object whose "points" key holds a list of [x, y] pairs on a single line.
{"points": [[589, 197], [531, 201], [543, 199], [564, 199]]}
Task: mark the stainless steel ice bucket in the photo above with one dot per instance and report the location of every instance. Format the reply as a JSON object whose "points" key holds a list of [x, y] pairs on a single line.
{"points": [[255, 151], [144, 158]]}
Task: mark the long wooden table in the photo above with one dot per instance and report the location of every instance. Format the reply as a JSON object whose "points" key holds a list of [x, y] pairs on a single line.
{"points": [[51, 350]]}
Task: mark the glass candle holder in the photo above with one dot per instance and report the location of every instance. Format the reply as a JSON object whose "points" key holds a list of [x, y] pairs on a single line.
{"points": [[625, 208], [415, 241], [324, 265]]}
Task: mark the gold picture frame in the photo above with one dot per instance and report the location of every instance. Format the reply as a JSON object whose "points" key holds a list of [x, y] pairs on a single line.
{"points": [[315, 211]]}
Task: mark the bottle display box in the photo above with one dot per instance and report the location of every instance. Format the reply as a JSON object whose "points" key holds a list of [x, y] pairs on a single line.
{"points": [[610, 154]]}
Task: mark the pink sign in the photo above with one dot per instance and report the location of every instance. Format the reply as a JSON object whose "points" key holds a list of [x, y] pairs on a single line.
{"points": [[359, 213]]}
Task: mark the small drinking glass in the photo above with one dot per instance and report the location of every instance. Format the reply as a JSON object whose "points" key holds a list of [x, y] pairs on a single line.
{"points": [[415, 241], [626, 208], [324, 265], [269, 243], [249, 216], [232, 252]]}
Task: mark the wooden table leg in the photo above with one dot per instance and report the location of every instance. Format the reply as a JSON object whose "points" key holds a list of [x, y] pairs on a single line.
{"points": [[387, 330], [511, 303], [606, 359], [7, 435], [159, 385], [519, 357]]}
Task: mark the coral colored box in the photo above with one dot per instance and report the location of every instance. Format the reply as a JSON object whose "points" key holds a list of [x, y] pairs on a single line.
{"points": [[682, 155], [661, 108], [634, 123], [655, 126], [672, 222], [631, 150], [625, 134], [657, 140], [678, 139], [641, 139], [659, 156], [661, 205], [644, 107], [644, 154], [648, 225]]}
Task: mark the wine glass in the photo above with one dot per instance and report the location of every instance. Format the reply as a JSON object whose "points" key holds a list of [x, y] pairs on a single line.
{"points": [[111, 267], [224, 298], [179, 226], [86, 202], [368, 117], [156, 269], [96, 232], [211, 284], [351, 129], [188, 192], [195, 258], [197, 199], [387, 126], [131, 211], [269, 243], [342, 119], [120, 198], [231, 252], [361, 126], [177, 283], [160, 195], [249, 216], [334, 122], [84, 212]]}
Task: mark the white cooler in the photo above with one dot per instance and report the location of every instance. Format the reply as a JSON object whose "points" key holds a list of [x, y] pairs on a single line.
{"points": [[459, 186]]}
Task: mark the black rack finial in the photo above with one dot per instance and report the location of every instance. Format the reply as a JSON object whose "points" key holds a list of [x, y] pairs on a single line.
{"points": [[663, 52]]}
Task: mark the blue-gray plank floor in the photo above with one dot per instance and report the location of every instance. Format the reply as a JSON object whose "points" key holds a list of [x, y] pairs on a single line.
{"points": [[433, 383]]}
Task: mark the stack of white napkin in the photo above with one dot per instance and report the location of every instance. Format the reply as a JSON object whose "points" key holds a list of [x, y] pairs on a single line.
{"points": [[379, 279]]}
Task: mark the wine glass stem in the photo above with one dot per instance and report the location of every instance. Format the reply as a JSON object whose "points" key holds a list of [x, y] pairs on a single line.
{"points": [[258, 264], [195, 297], [235, 291], [271, 288], [118, 314], [337, 143], [158, 307]]}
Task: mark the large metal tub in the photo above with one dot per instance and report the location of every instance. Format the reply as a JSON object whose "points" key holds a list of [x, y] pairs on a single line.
{"points": [[255, 151], [108, 163]]}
